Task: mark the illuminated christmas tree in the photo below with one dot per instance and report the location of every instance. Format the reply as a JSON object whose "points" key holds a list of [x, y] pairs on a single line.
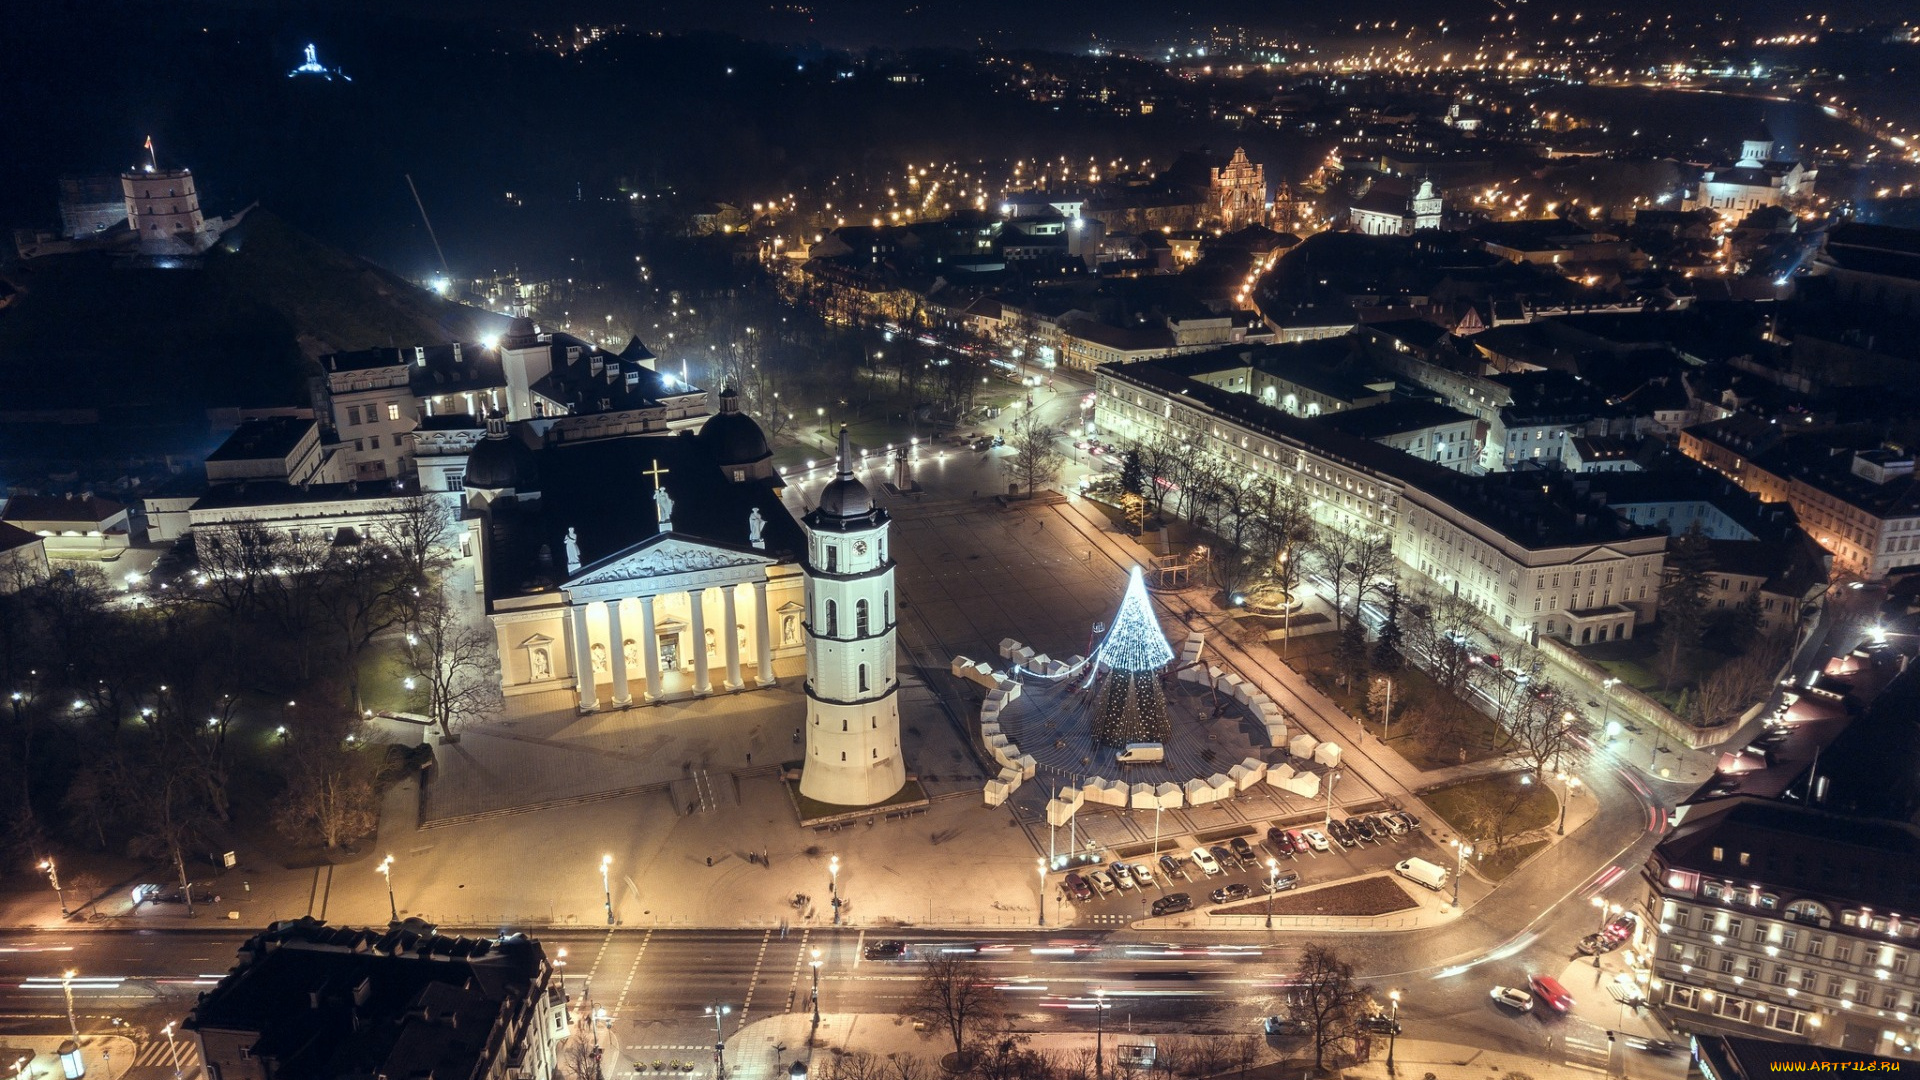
{"points": [[1132, 705]]}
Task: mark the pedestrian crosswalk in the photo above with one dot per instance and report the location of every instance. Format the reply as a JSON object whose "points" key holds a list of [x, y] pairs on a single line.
{"points": [[159, 1054]]}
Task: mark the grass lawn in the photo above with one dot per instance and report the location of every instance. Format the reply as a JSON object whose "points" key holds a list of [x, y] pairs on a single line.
{"points": [[1498, 865], [1377, 895], [1539, 804], [1314, 658]]}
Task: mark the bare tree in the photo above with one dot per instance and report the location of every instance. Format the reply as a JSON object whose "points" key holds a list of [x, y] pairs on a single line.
{"points": [[420, 535], [1326, 1000], [331, 795], [452, 665], [1036, 460], [1333, 551], [166, 812], [905, 1067], [1544, 728], [955, 996], [1490, 813], [1246, 1050]]}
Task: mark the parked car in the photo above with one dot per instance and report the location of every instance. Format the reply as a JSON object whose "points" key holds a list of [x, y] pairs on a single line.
{"points": [[1278, 1026], [1282, 881], [1410, 821], [1101, 881], [1299, 839], [1143, 874], [1232, 891], [1316, 840], [1170, 865], [1386, 826], [1342, 833], [1205, 860], [1596, 943], [1224, 857], [1243, 850], [1513, 998], [885, 950], [1361, 827], [1078, 888], [1621, 927], [1281, 841], [1122, 875], [1173, 902]]}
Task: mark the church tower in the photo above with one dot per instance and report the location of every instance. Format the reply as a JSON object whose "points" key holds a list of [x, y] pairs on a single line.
{"points": [[853, 705]]}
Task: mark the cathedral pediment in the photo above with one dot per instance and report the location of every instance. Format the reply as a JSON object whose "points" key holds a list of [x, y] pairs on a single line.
{"points": [[667, 563]]}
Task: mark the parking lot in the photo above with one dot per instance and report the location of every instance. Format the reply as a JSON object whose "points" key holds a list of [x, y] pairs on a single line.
{"points": [[1366, 856]]}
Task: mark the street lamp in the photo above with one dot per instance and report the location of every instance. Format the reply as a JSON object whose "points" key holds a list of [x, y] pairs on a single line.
{"points": [[1567, 783], [719, 1040], [1332, 779], [66, 984], [1461, 854], [1099, 1031], [174, 1048], [816, 988], [1606, 911], [53, 878], [386, 871], [1043, 891], [1393, 1028], [1273, 886], [606, 884], [833, 886]]}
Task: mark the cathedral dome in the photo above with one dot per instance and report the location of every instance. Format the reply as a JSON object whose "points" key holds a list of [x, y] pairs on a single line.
{"points": [[501, 462], [845, 497], [521, 333], [731, 436]]}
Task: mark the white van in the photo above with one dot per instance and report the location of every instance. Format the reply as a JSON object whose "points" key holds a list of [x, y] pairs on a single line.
{"points": [[1139, 753], [1424, 872]]}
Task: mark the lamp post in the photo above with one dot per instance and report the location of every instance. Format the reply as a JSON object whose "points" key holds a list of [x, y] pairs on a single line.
{"points": [[1606, 911], [816, 987], [386, 871], [1386, 714], [1332, 779], [1393, 1028], [833, 886], [66, 984], [1043, 891], [1273, 886], [1461, 853], [53, 878], [1567, 783], [719, 1040], [606, 884], [1099, 1032], [173, 1047]]}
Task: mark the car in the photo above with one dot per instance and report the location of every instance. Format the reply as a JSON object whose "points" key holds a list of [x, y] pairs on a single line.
{"points": [[1282, 881], [1492, 659], [1205, 860], [1596, 943], [1224, 857], [1316, 840], [1513, 998], [1170, 866], [1281, 841], [1548, 989], [1232, 891], [1143, 874], [1078, 888], [1101, 881], [1362, 828], [1410, 821], [1299, 839], [1243, 850], [1621, 927], [1341, 833], [885, 950], [1380, 1024], [1173, 902], [1391, 823], [1653, 1046], [1122, 875], [1276, 1026]]}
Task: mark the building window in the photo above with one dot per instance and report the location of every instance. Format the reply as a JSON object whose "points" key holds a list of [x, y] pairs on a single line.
{"points": [[1780, 972], [863, 678], [353, 415], [860, 620], [833, 559], [1719, 854], [373, 443], [1843, 952], [1753, 969], [1899, 963], [833, 619], [1726, 963], [1686, 997], [456, 481]]}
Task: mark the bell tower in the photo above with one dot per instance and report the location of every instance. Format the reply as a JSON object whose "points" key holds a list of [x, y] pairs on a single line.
{"points": [[853, 704]]}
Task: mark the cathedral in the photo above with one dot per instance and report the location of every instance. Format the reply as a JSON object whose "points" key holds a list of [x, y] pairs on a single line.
{"points": [[1237, 192], [647, 566]]}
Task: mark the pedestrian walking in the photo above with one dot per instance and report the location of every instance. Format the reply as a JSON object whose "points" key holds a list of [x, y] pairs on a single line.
{"points": [[709, 860]]}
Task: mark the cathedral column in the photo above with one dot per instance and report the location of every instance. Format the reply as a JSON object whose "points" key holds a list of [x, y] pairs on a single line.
{"points": [[582, 658], [696, 602], [730, 630], [762, 633], [650, 648], [617, 657]]}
